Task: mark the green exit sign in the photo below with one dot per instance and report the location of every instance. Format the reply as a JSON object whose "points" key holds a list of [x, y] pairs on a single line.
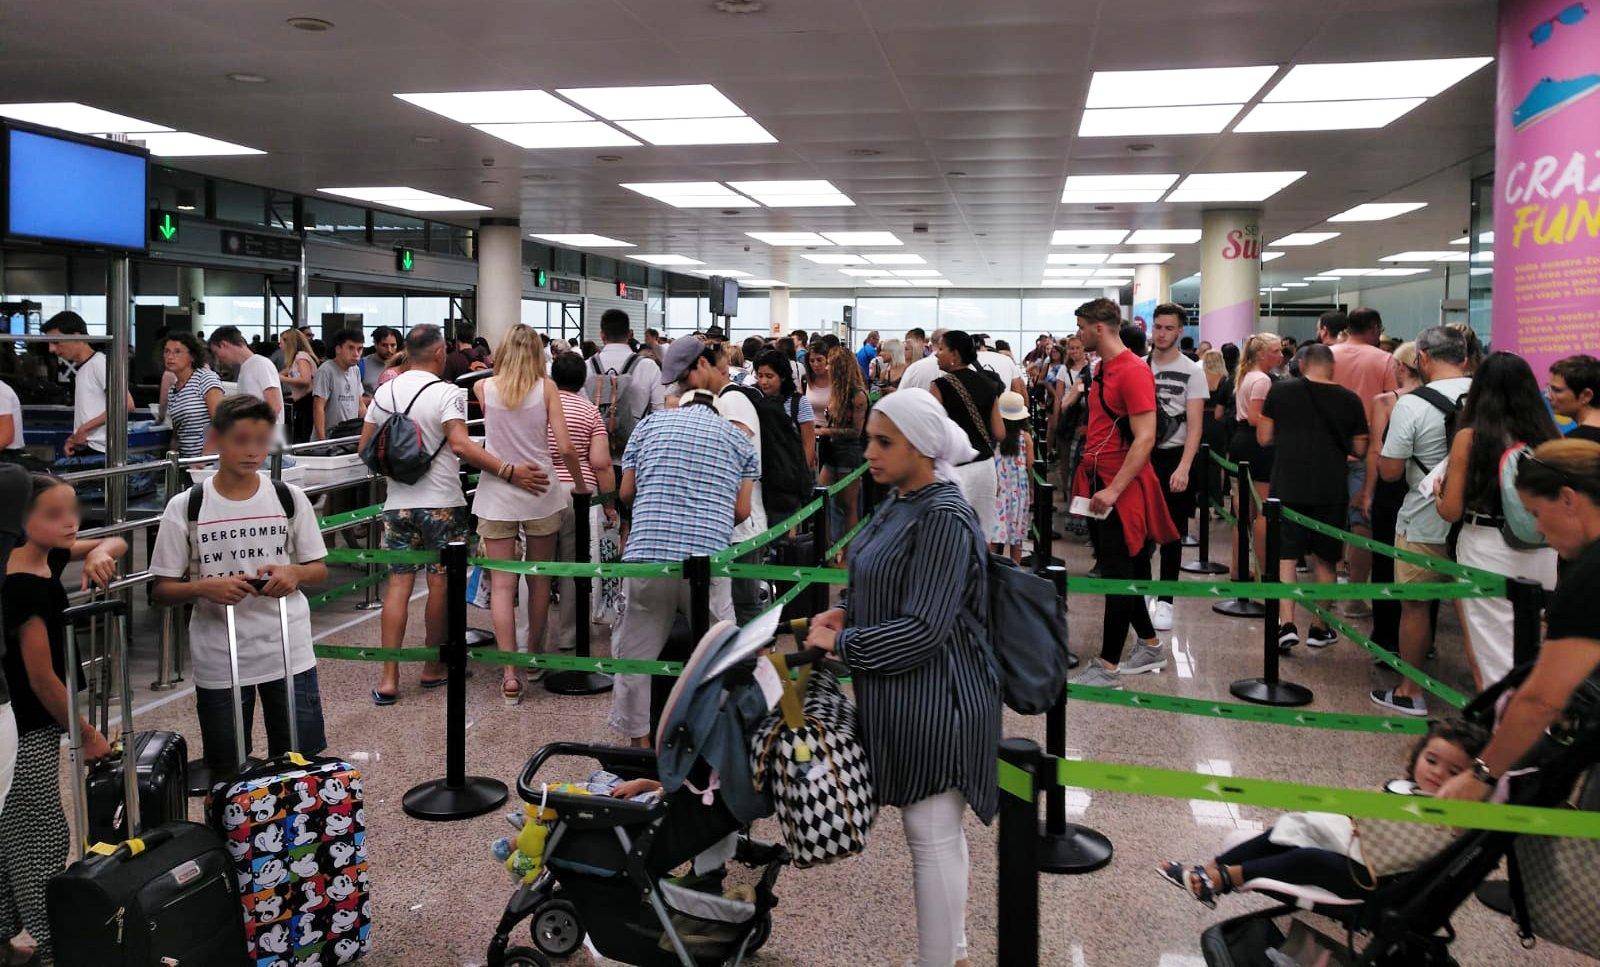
{"points": [[163, 226], [405, 259], [540, 278]]}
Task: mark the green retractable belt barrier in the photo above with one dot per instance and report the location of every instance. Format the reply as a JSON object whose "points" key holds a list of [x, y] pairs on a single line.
{"points": [[1288, 592], [575, 569], [324, 598], [1430, 684], [352, 555], [1261, 714]]}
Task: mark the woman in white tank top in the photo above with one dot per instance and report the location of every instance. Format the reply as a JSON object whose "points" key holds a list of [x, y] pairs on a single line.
{"points": [[518, 402]]}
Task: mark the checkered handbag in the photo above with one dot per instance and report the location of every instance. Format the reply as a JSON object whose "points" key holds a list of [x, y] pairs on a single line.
{"points": [[807, 752], [1561, 879]]}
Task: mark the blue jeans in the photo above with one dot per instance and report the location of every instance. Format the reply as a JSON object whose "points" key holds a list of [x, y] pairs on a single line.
{"points": [[215, 709]]}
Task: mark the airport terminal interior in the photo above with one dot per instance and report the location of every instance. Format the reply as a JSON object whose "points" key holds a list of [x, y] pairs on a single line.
{"points": [[1304, 295]]}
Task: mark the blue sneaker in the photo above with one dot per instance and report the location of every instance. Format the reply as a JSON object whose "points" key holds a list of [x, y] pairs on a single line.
{"points": [[1550, 95]]}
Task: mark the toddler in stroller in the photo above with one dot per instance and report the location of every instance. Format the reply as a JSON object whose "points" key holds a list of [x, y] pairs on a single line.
{"points": [[608, 858]]}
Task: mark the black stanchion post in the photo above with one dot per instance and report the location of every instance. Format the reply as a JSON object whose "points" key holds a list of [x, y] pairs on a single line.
{"points": [[1202, 482], [457, 795], [1017, 880], [1244, 515], [697, 570], [819, 547], [1044, 497], [579, 682], [1065, 847], [1269, 689], [1527, 608]]}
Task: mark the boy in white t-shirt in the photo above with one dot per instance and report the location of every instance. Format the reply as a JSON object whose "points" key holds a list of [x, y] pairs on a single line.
{"points": [[245, 528]]}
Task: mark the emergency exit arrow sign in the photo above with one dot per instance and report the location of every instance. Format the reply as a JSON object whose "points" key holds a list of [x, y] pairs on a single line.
{"points": [[164, 225], [405, 259]]}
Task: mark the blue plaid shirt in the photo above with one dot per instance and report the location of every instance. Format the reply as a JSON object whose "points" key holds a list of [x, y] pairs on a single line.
{"points": [[688, 464]]}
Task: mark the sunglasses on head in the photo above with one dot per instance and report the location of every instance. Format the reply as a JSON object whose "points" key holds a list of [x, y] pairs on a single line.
{"points": [[1544, 30], [1567, 478]]}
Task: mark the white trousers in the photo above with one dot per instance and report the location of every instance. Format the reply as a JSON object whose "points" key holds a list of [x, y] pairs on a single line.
{"points": [[643, 630], [939, 876], [8, 750], [979, 484], [1488, 621]]}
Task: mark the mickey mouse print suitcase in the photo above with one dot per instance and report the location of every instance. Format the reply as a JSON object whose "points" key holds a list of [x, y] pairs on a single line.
{"points": [[295, 827]]}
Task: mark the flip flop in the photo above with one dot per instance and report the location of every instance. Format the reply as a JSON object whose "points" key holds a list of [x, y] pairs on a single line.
{"points": [[1179, 877], [378, 698], [435, 682]]}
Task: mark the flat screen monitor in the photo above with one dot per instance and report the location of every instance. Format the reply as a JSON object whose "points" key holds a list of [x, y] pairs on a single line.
{"points": [[724, 296], [65, 189]]}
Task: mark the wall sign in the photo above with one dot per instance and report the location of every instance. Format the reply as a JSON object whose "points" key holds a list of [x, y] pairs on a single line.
{"points": [[258, 246], [626, 291], [566, 286]]}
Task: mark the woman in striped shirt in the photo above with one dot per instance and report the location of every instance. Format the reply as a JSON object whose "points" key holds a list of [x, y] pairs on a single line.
{"points": [[925, 678], [194, 394]]}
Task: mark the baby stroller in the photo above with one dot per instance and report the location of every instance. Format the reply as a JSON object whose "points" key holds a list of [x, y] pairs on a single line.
{"points": [[607, 861]]}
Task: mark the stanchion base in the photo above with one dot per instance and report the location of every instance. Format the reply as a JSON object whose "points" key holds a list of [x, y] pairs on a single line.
{"points": [[480, 638], [1189, 541], [1262, 692], [577, 683], [1240, 608], [1077, 850], [370, 606], [1203, 567], [436, 802], [165, 686]]}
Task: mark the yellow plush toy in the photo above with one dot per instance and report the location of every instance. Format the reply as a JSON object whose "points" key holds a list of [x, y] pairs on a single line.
{"points": [[524, 855]]}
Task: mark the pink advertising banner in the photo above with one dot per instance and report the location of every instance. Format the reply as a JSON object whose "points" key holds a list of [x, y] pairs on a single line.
{"points": [[1547, 182]]}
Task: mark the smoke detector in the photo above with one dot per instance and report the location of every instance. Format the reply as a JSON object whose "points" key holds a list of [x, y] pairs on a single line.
{"points": [[314, 25], [740, 6]]}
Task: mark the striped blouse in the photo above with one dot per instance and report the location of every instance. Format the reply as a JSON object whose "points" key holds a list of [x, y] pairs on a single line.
{"points": [[926, 683], [187, 411]]}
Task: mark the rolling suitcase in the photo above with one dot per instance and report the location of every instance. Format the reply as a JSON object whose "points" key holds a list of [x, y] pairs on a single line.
{"points": [[295, 828], [161, 762], [166, 896]]}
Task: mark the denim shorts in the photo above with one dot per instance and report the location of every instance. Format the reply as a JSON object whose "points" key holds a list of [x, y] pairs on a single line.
{"points": [[422, 529]]}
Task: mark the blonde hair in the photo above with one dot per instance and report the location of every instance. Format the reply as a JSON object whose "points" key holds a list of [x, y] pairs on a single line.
{"points": [[894, 350], [519, 365], [1213, 363], [1251, 351], [298, 343]]}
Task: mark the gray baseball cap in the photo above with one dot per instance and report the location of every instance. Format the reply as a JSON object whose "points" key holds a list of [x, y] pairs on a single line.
{"points": [[680, 358]]}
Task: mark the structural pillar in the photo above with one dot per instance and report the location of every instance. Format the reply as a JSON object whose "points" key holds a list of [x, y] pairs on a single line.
{"points": [[1230, 274], [192, 294], [499, 295], [1152, 285], [1546, 250], [778, 309]]}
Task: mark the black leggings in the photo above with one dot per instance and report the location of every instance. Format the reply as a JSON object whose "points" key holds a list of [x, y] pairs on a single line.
{"points": [[1260, 858], [1122, 610], [1179, 505]]}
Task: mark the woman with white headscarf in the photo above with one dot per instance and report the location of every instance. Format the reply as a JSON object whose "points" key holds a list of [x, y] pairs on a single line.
{"points": [[911, 626]]}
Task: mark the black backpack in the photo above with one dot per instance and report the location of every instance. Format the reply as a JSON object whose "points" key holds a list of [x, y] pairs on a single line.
{"points": [[1027, 634], [197, 496], [1451, 412], [786, 480], [1166, 424], [396, 449]]}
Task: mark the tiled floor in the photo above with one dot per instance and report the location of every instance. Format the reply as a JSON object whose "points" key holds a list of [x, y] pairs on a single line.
{"points": [[439, 891]]}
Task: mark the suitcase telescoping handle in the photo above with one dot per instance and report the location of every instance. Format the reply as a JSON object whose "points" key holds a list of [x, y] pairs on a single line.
{"points": [[117, 611], [288, 680]]}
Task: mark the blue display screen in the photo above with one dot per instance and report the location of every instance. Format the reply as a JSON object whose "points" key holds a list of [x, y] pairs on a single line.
{"points": [[67, 191]]}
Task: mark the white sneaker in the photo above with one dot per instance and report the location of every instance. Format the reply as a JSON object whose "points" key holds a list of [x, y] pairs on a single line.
{"points": [[1161, 616]]}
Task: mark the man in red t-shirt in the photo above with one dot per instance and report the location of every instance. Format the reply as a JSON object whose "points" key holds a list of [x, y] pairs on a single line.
{"points": [[1116, 476]]}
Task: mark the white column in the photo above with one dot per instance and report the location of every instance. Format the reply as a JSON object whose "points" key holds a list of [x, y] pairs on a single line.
{"points": [[1152, 285], [778, 307], [1230, 274], [499, 296]]}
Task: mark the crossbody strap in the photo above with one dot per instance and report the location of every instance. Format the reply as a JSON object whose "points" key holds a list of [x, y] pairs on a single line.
{"points": [[972, 409], [1327, 424]]}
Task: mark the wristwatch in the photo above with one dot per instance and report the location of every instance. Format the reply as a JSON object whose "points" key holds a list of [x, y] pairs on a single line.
{"points": [[1481, 773]]}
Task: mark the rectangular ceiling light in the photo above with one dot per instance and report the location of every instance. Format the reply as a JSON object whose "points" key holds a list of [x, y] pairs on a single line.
{"points": [[411, 199], [1164, 236], [1234, 186], [1079, 273], [1377, 211], [1269, 256], [763, 284], [793, 194], [862, 238], [1165, 88], [918, 273], [841, 259], [1090, 189], [497, 107], [667, 259], [1069, 258], [77, 118], [1275, 288], [1305, 238], [1422, 257], [1452, 257], [738, 130], [897, 259], [1341, 273], [1140, 258], [1088, 236], [1326, 115], [1322, 278], [866, 273], [729, 273], [1397, 272], [1296, 285], [692, 194], [583, 241], [653, 103], [182, 144], [1139, 121], [789, 238], [890, 282], [562, 134], [1487, 238], [1373, 79]]}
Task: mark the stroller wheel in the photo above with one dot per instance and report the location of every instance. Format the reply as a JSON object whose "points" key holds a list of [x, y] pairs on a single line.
{"points": [[761, 934], [525, 957], [556, 928]]}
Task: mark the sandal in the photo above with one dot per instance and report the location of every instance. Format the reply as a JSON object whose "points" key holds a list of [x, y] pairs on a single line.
{"points": [[1192, 881], [434, 682], [380, 698], [511, 691]]}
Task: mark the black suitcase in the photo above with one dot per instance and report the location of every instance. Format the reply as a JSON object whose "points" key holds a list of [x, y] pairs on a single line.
{"points": [[162, 765], [796, 550]]}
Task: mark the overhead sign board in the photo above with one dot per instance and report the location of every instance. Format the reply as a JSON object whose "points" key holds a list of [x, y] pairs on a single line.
{"points": [[256, 245]]}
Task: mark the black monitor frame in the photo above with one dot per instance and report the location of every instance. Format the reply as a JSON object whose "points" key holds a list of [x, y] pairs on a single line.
{"points": [[6, 127]]}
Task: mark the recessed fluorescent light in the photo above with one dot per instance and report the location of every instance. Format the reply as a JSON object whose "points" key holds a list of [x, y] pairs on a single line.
{"points": [[866, 273], [918, 273], [563, 134], [1164, 236], [862, 238], [1274, 288], [1113, 274], [583, 241], [1088, 236], [1346, 272], [1269, 256], [890, 282], [729, 273], [897, 259], [497, 107], [1305, 238], [1135, 121], [700, 131], [763, 284], [667, 259], [1396, 272], [692, 194], [1295, 285], [1070, 258], [1486, 238], [1420, 256], [1089, 189], [789, 238], [1326, 115], [411, 199], [793, 194], [181, 144], [1483, 255], [1452, 257], [1140, 258], [1322, 278], [78, 118], [1377, 211], [1081, 273], [1463, 240], [1483, 271], [1234, 186], [826, 259], [1373, 79], [1162, 88], [653, 103]]}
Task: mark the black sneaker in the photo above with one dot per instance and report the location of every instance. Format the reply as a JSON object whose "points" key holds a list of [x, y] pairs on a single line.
{"points": [[1406, 705], [1321, 637], [1288, 636]]}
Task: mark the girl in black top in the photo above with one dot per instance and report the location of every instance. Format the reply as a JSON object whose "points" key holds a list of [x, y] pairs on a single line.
{"points": [[970, 397], [33, 827]]}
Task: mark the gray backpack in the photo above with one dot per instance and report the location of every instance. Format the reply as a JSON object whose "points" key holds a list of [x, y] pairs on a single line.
{"points": [[1028, 634], [396, 449]]}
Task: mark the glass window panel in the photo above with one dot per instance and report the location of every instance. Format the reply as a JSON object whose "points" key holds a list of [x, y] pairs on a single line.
{"points": [[245, 204], [175, 190], [333, 218], [375, 311], [281, 207], [390, 230], [998, 318], [433, 309], [891, 316], [682, 314]]}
